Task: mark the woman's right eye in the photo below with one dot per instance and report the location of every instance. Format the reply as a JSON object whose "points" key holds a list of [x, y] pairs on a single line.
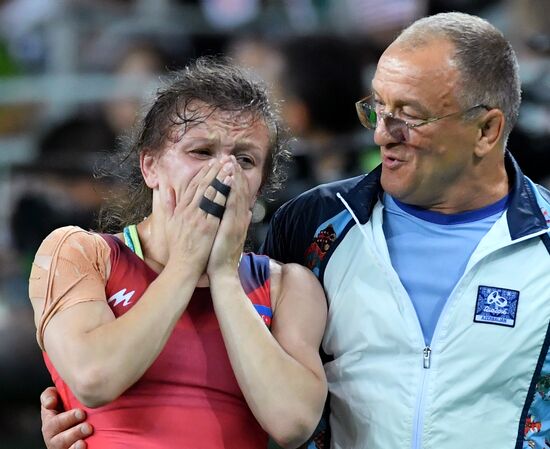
{"points": [[200, 152]]}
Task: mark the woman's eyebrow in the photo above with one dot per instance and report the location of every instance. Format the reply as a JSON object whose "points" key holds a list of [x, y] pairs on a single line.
{"points": [[246, 146]]}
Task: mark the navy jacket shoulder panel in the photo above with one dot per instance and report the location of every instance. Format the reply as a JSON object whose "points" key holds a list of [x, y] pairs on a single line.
{"points": [[307, 229], [524, 212], [364, 195], [293, 226]]}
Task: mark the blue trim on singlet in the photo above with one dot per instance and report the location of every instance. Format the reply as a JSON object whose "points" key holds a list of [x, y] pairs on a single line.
{"points": [[263, 310], [253, 271]]}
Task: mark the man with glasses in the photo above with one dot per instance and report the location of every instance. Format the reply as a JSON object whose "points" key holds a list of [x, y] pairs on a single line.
{"points": [[436, 265]]}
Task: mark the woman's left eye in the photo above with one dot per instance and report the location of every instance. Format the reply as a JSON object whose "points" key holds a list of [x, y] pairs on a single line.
{"points": [[245, 161]]}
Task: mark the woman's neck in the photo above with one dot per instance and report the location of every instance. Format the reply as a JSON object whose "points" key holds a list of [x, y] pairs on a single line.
{"points": [[155, 247], [153, 243]]}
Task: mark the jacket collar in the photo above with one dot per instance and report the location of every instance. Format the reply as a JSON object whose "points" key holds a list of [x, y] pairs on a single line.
{"points": [[524, 214]]}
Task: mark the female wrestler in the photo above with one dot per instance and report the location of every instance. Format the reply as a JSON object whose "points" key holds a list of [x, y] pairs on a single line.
{"points": [[165, 333]]}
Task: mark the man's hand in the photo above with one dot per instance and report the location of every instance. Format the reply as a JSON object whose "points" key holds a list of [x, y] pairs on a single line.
{"points": [[62, 430]]}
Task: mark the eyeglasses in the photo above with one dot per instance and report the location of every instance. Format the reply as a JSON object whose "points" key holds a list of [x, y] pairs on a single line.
{"points": [[397, 128]]}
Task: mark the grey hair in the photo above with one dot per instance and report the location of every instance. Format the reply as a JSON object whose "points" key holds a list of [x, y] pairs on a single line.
{"points": [[487, 63]]}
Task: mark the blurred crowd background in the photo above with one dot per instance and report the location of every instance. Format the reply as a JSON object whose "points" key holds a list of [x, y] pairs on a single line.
{"points": [[75, 73]]}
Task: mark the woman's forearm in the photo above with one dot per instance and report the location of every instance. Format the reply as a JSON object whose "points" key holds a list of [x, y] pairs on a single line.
{"points": [[285, 395], [100, 361]]}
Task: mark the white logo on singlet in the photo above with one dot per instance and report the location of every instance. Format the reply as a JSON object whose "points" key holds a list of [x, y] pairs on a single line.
{"points": [[121, 297]]}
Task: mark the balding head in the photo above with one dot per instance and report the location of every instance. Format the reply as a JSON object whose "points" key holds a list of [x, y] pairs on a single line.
{"points": [[488, 67]]}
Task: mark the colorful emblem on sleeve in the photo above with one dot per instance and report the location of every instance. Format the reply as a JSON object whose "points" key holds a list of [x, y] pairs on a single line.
{"points": [[320, 246], [537, 423]]}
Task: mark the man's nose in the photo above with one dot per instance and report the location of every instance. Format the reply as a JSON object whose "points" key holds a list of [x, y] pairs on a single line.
{"points": [[384, 135]]}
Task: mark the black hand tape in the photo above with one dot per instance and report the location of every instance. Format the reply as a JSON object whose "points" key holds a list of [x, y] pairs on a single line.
{"points": [[224, 189], [212, 208]]}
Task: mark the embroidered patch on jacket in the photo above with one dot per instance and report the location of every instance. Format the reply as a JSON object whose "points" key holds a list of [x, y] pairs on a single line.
{"points": [[321, 244], [496, 305]]}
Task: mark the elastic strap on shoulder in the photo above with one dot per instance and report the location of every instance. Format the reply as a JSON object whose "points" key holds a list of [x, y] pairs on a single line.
{"points": [[131, 239]]}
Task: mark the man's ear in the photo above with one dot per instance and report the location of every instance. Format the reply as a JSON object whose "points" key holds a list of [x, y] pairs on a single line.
{"points": [[491, 128], [148, 165]]}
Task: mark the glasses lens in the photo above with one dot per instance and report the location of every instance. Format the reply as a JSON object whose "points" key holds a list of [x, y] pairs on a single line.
{"points": [[371, 115], [369, 119], [397, 128], [367, 115]]}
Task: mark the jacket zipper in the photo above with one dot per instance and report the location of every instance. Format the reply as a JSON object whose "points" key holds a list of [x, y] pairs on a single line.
{"points": [[418, 420], [427, 357], [421, 399]]}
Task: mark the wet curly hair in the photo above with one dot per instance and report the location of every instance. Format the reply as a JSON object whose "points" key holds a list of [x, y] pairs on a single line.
{"points": [[219, 84]]}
